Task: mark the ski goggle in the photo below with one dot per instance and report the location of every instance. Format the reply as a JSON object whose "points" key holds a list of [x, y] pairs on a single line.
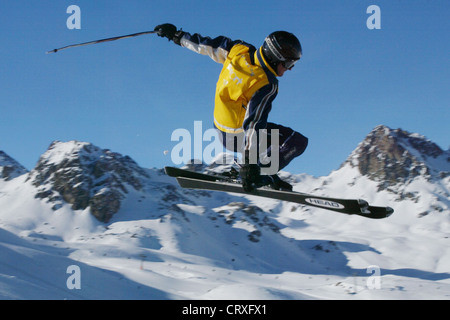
{"points": [[289, 64]]}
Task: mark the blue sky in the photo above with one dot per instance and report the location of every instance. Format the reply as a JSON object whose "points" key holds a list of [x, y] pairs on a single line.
{"points": [[131, 94]]}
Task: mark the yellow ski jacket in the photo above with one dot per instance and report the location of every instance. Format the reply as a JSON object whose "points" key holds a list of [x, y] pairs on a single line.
{"points": [[246, 87]]}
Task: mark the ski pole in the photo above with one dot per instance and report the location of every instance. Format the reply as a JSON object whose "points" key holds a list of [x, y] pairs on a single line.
{"points": [[101, 40]]}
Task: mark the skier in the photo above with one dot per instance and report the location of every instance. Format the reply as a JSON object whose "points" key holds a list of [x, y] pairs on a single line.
{"points": [[245, 91]]}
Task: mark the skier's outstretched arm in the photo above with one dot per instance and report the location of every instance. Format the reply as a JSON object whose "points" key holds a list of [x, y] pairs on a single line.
{"points": [[217, 48]]}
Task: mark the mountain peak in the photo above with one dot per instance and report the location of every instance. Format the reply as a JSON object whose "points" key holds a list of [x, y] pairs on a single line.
{"points": [[10, 168], [394, 156], [84, 175], [59, 151]]}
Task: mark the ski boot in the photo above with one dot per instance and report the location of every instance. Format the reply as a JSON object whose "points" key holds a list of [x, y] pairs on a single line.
{"points": [[275, 182], [233, 174]]}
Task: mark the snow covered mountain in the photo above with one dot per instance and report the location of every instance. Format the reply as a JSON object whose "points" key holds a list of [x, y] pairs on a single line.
{"points": [[84, 176], [394, 157], [405, 165], [134, 233], [10, 168]]}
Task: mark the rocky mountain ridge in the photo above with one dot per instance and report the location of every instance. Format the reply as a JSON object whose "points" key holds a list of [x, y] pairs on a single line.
{"points": [[86, 176], [392, 157], [10, 168]]}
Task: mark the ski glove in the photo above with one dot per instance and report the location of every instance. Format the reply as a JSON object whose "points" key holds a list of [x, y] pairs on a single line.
{"points": [[169, 31], [250, 175]]}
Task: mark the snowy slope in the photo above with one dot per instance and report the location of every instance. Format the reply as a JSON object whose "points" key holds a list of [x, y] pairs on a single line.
{"points": [[168, 243]]}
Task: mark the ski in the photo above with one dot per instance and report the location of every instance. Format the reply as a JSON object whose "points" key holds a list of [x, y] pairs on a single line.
{"points": [[177, 172], [194, 180]]}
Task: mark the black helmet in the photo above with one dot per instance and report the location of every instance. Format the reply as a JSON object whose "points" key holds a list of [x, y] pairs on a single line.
{"points": [[282, 46]]}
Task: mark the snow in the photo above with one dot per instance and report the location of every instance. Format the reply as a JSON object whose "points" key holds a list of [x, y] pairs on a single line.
{"points": [[170, 243], [194, 253], [62, 152]]}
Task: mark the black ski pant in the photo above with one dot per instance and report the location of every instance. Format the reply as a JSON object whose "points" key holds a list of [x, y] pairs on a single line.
{"points": [[291, 144]]}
